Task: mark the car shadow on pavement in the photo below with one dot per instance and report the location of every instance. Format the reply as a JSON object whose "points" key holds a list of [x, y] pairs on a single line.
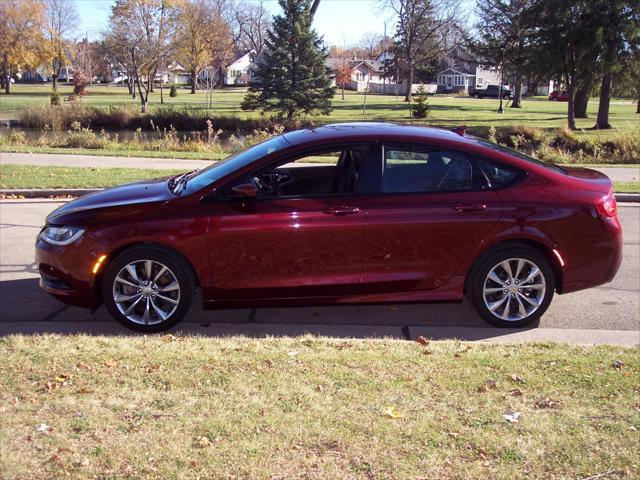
{"points": [[25, 309]]}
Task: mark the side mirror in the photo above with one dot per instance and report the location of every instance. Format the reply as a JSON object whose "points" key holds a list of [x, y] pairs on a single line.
{"points": [[245, 190]]}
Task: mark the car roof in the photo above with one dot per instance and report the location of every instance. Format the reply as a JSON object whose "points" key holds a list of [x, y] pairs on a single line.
{"points": [[367, 131]]}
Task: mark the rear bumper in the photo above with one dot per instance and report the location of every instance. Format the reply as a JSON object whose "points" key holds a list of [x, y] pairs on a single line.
{"points": [[66, 272]]}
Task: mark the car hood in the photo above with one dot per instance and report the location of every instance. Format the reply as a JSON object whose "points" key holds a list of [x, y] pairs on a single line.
{"points": [[147, 191]]}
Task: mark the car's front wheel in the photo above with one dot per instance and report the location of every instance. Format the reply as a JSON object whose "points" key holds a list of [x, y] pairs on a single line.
{"points": [[512, 287], [147, 289]]}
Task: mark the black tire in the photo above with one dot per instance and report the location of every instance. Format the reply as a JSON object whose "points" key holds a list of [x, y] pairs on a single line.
{"points": [[475, 95], [507, 97], [479, 273], [177, 268]]}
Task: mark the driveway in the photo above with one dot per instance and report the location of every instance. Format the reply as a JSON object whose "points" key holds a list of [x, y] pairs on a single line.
{"points": [[607, 314]]}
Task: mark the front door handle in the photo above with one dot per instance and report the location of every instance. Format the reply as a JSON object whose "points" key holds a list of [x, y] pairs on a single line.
{"points": [[469, 207], [342, 210]]}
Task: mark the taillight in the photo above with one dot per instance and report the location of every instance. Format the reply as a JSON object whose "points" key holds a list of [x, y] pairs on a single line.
{"points": [[607, 206]]}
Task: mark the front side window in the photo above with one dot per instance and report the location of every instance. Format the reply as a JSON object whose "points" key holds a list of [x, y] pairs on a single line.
{"points": [[325, 172], [409, 169]]}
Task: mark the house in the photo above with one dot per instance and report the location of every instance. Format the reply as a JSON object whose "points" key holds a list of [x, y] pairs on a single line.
{"points": [[240, 71], [461, 73], [363, 72]]}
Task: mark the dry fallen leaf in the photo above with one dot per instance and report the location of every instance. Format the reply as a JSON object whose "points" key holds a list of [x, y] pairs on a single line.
{"points": [[319, 388], [422, 340], [392, 412], [546, 403], [111, 363], [203, 442], [516, 392], [618, 364], [517, 378]]}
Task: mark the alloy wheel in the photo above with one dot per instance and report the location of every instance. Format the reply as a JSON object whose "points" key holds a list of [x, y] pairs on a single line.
{"points": [[514, 289], [146, 292]]}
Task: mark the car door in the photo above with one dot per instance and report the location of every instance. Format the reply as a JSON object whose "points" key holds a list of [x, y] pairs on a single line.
{"points": [[304, 241], [431, 211]]}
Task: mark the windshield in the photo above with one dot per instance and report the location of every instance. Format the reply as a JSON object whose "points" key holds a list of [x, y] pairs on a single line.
{"points": [[520, 155], [220, 169]]}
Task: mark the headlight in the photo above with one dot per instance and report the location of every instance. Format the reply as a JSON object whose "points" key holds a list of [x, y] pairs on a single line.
{"points": [[61, 235]]}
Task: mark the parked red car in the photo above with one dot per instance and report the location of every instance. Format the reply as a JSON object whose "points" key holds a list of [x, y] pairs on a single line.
{"points": [[556, 96], [351, 213]]}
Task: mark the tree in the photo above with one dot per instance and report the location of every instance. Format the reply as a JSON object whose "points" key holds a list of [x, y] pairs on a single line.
{"points": [[558, 38], [372, 43], [503, 38], [422, 28], [343, 75], [291, 73], [21, 41], [145, 28], [192, 42], [61, 20], [251, 24], [620, 35], [421, 105]]}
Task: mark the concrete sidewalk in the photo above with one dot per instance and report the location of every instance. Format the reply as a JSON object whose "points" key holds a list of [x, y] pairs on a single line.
{"points": [[45, 159]]}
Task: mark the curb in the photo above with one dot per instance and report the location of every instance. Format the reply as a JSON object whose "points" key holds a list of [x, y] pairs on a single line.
{"points": [[41, 193], [6, 193]]}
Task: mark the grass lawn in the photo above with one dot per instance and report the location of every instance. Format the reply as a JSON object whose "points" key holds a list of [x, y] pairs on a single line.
{"points": [[26, 176], [192, 407], [445, 111], [123, 153]]}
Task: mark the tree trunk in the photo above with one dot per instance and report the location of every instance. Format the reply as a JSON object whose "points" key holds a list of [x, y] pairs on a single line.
{"points": [[571, 116], [582, 101], [343, 91], [602, 121], [517, 91], [193, 81], [161, 92], [638, 106], [54, 80], [407, 95], [7, 83]]}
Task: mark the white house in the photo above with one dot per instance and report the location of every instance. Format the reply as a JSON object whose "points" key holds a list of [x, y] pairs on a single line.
{"points": [[239, 72]]}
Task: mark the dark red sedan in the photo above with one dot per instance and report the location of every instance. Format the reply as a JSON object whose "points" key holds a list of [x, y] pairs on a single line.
{"points": [[351, 213]]}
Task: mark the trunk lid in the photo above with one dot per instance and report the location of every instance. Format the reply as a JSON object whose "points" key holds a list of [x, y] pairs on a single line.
{"points": [[589, 179]]}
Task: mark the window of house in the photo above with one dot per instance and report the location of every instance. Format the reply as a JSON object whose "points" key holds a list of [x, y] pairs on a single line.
{"points": [[479, 82], [409, 169]]}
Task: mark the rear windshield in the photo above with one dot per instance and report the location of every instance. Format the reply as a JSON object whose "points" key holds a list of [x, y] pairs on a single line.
{"points": [[521, 156]]}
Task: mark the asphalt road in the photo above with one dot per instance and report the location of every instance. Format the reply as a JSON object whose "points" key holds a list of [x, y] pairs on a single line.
{"points": [[603, 314]]}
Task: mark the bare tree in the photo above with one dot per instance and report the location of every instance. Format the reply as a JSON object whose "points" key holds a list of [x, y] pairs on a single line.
{"points": [[373, 43], [251, 23], [61, 20], [421, 30]]}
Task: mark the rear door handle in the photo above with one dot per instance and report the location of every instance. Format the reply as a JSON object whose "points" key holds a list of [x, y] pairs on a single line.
{"points": [[469, 207], [342, 210]]}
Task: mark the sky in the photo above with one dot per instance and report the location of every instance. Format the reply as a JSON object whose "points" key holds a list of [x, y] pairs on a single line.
{"points": [[341, 22]]}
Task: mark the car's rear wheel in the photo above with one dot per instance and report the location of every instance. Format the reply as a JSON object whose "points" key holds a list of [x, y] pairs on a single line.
{"points": [[512, 287], [147, 289]]}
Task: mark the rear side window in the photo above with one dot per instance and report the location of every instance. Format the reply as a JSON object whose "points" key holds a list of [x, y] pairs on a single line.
{"points": [[409, 169], [499, 176]]}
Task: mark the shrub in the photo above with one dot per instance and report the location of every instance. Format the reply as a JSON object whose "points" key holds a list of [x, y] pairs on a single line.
{"points": [[80, 82], [55, 99], [173, 92], [250, 101]]}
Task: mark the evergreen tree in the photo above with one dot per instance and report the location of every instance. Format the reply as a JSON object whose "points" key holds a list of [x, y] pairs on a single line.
{"points": [[421, 103], [291, 75], [504, 38]]}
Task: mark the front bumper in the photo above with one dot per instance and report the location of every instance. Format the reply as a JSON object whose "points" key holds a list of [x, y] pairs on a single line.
{"points": [[66, 272]]}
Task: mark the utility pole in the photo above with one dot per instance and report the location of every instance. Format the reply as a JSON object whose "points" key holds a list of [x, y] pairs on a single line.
{"points": [[314, 7]]}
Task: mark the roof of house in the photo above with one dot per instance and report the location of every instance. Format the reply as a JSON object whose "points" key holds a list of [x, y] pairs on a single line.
{"points": [[335, 62]]}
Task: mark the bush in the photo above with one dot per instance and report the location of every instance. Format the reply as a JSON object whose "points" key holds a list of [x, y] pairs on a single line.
{"points": [[55, 99], [250, 102], [173, 92]]}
